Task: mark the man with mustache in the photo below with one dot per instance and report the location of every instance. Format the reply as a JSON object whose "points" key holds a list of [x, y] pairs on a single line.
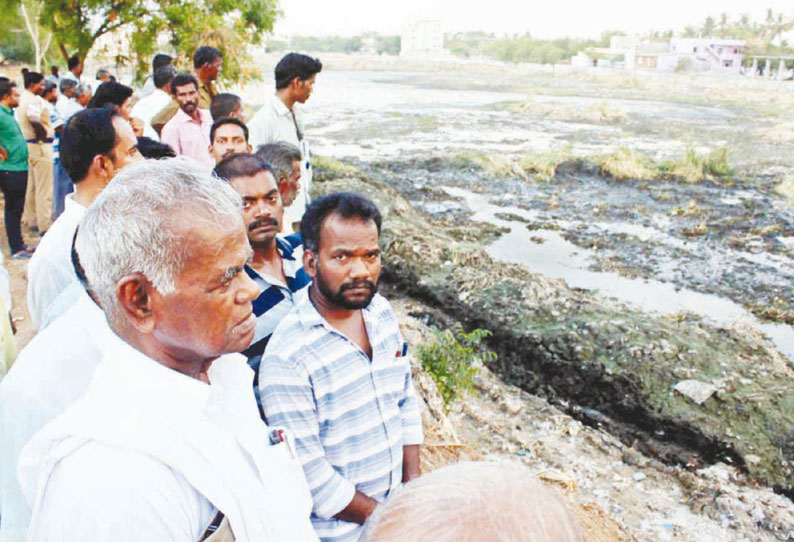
{"points": [[286, 161], [228, 136], [188, 133], [335, 372], [277, 263]]}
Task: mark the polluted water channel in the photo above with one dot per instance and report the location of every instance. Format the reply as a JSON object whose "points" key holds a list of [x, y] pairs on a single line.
{"points": [[548, 253]]}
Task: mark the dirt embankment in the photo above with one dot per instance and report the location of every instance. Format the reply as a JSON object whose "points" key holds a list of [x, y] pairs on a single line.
{"points": [[611, 368]]}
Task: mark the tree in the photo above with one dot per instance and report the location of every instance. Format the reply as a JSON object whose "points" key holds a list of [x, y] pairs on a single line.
{"points": [[24, 38], [708, 27], [229, 25]]}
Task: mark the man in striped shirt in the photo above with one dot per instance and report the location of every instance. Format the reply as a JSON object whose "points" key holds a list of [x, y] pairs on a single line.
{"points": [[277, 263], [336, 375]]}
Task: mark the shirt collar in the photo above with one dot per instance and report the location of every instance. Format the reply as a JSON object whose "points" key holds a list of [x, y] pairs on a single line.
{"points": [[310, 317], [164, 389], [184, 118], [279, 106], [72, 206], [6, 110], [284, 249]]}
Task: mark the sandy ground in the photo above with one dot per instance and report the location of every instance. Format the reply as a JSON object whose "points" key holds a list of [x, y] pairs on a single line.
{"points": [[18, 282]]}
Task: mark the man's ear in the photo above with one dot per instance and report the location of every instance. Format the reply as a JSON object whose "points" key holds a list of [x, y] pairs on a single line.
{"points": [[134, 293], [250, 149], [310, 263]]}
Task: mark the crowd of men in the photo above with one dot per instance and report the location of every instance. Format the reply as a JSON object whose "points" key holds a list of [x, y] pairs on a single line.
{"points": [[213, 360]]}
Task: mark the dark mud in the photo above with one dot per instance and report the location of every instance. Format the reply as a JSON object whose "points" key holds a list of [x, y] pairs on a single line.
{"points": [[607, 365]]}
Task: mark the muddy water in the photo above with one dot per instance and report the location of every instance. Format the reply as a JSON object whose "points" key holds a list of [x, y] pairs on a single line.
{"points": [[401, 118], [547, 252]]}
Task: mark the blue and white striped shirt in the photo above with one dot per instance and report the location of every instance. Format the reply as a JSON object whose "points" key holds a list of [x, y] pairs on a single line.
{"points": [[276, 299], [350, 416]]}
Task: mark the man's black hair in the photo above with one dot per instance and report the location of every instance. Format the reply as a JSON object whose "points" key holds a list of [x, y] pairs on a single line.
{"points": [[87, 133], [241, 164], [32, 78], [110, 93], [161, 60], [73, 62], [100, 73], [223, 104], [345, 204], [53, 70], [205, 54], [149, 148], [5, 88], [163, 76], [182, 79], [49, 86], [227, 120], [294, 65]]}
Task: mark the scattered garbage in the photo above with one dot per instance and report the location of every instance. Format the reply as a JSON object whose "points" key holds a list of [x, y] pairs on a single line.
{"points": [[695, 390]]}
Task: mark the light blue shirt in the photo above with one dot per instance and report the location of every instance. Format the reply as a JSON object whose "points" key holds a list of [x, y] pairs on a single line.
{"points": [[350, 416]]}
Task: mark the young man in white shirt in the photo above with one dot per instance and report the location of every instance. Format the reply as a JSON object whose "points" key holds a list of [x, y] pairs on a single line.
{"points": [[280, 120], [168, 434], [148, 106], [95, 145]]}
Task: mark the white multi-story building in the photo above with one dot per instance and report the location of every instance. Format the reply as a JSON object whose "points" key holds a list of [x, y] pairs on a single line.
{"points": [[422, 39], [710, 53]]}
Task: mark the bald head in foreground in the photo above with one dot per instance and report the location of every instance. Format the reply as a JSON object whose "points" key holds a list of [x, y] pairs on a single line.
{"points": [[474, 502]]}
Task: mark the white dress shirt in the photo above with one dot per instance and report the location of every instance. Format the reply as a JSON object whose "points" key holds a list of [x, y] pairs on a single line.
{"points": [[147, 108], [50, 374], [148, 453], [273, 123], [50, 268], [67, 107]]}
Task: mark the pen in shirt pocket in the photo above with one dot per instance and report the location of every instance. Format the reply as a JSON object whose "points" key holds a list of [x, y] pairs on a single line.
{"points": [[402, 351]]}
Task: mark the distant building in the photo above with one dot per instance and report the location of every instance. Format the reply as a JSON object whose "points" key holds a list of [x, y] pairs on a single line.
{"points": [[700, 54], [423, 39], [710, 53]]}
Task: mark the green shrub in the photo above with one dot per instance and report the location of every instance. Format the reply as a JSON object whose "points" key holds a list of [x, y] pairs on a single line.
{"points": [[452, 360]]}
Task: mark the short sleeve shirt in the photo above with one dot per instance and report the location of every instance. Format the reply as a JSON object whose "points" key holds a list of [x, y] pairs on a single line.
{"points": [[13, 141]]}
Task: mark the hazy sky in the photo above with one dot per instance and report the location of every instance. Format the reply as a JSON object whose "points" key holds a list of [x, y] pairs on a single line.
{"points": [[553, 18]]}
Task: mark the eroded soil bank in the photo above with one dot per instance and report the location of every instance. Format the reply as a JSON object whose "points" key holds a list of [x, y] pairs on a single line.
{"points": [[606, 364]]}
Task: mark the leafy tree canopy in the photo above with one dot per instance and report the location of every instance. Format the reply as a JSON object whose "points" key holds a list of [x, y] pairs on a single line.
{"points": [[229, 25]]}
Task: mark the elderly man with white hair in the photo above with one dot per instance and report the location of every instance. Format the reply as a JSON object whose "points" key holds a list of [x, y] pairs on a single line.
{"points": [[167, 439], [474, 502]]}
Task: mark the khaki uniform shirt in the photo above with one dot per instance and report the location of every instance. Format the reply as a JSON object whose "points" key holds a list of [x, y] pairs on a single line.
{"points": [[33, 107]]}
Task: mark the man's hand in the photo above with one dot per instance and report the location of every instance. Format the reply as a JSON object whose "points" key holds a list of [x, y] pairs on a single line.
{"points": [[411, 462], [359, 509], [40, 130], [3, 154]]}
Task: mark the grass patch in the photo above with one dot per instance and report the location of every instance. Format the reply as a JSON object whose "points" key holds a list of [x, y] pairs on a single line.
{"points": [[696, 168], [453, 359], [543, 166], [326, 169], [625, 164], [622, 165]]}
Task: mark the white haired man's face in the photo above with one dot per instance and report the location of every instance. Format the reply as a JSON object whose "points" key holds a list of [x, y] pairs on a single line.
{"points": [[210, 313]]}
